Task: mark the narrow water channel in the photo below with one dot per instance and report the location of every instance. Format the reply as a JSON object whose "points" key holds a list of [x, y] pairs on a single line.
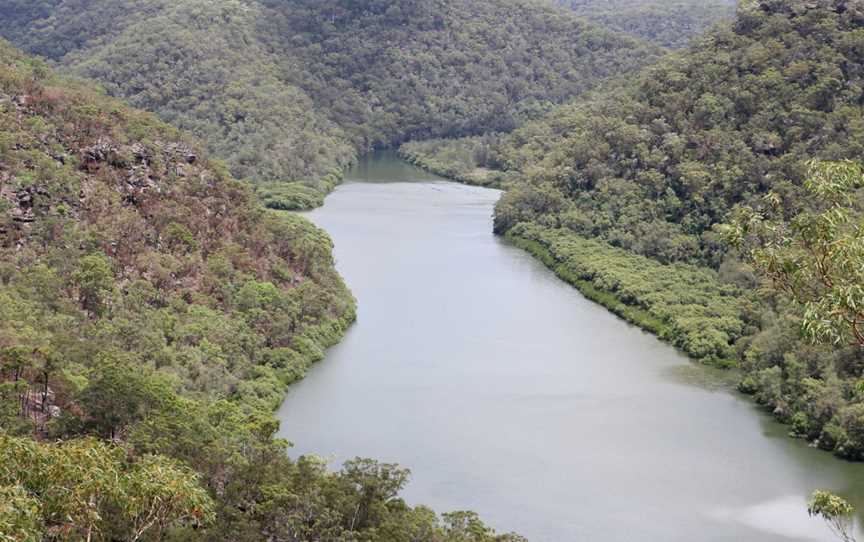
{"points": [[508, 393]]}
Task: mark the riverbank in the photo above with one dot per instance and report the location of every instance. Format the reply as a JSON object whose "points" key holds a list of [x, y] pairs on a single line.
{"points": [[684, 305], [460, 160], [310, 347], [712, 321], [299, 196]]}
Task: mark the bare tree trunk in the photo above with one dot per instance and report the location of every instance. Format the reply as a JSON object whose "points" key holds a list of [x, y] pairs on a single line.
{"points": [[44, 390]]}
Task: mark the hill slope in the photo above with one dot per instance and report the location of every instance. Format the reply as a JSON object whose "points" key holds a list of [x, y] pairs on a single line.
{"points": [[151, 315], [291, 90], [653, 167], [670, 23]]}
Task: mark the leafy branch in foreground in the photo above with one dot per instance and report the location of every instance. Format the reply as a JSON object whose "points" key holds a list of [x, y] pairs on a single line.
{"points": [[836, 512], [816, 257]]}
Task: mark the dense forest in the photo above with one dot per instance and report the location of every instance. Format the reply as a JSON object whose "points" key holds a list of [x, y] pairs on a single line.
{"points": [[654, 168], [292, 90], [151, 315], [670, 23]]}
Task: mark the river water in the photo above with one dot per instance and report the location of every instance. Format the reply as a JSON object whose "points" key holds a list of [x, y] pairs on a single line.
{"points": [[508, 393]]}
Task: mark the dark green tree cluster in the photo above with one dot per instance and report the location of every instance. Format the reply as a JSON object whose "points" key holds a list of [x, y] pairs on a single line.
{"points": [[152, 314], [392, 70], [654, 165], [290, 91], [203, 67], [670, 23]]}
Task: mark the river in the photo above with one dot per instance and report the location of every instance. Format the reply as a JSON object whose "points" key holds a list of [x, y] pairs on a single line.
{"points": [[508, 393]]}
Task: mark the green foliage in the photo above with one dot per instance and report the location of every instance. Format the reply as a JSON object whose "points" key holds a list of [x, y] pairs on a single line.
{"points": [[654, 165], [289, 196], [848, 434], [836, 512], [466, 527], [417, 69], [816, 256], [19, 515], [203, 67], [539, 204], [179, 238], [810, 377], [95, 282], [117, 396], [86, 489]]}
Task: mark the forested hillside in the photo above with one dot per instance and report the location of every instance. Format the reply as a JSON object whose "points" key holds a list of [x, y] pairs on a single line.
{"points": [[670, 23], [151, 315], [292, 90], [654, 167]]}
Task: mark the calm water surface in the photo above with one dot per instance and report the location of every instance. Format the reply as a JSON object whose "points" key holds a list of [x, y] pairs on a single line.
{"points": [[507, 393]]}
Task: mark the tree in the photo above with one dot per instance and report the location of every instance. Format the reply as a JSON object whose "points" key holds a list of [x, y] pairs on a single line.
{"points": [[375, 485], [466, 526], [95, 281], [14, 361], [158, 492], [48, 363], [19, 516], [118, 395], [815, 258], [836, 512]]}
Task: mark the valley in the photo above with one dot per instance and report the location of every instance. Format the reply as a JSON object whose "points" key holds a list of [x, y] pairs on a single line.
{"points": [[235, 268]]}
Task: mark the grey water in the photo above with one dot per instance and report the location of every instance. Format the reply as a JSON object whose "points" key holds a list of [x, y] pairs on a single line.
{"points": [[508, 393]]}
